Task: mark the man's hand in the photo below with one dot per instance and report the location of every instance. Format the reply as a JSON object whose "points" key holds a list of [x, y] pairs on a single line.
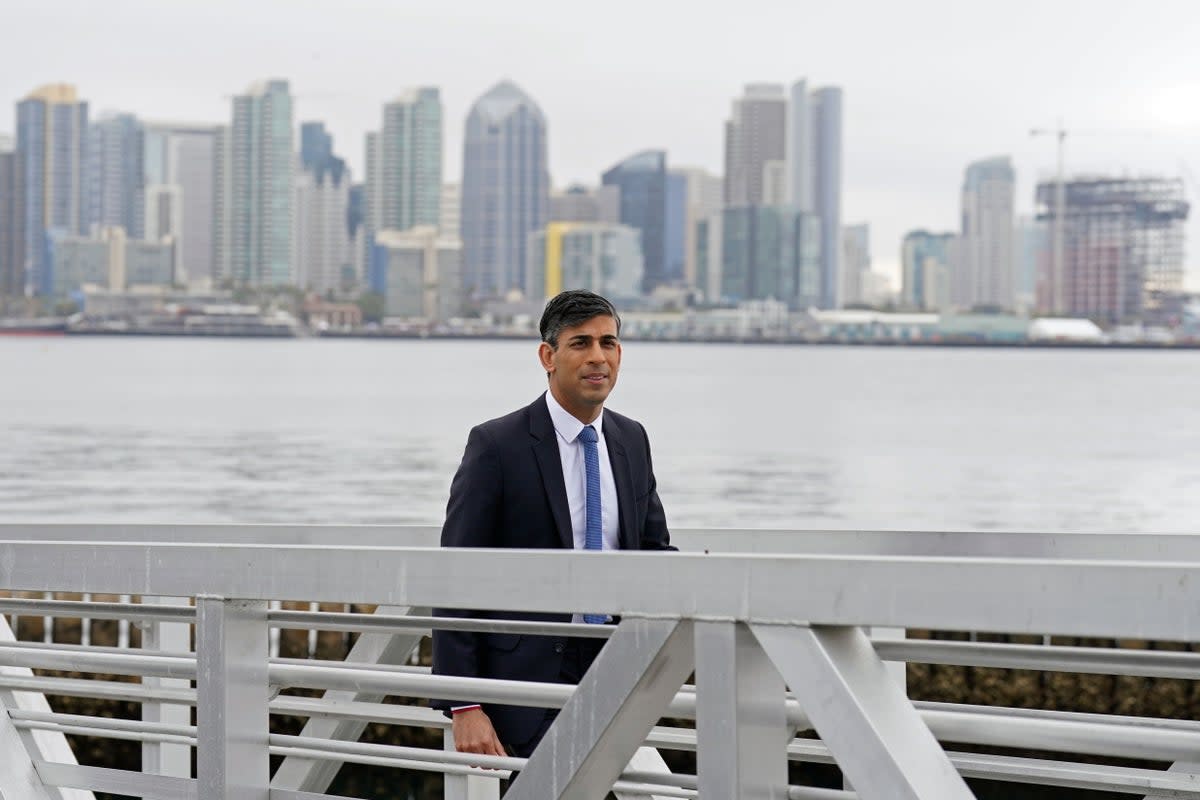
{"points": [[473, 733]]}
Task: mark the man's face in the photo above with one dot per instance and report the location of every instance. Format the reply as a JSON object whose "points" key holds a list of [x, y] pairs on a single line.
{"points": [[583, 368]]}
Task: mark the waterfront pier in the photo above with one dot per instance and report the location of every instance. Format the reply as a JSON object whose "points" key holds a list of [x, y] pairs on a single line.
{"points": [[750, 649]]}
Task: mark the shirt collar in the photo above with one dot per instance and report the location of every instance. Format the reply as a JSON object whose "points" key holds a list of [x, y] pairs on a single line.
{"points": [[566, 424]]}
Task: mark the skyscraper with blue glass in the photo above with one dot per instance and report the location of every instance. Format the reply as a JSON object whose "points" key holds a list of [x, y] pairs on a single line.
{"points": [[642, 180], [51, 143], [254, 181], [505, 189], [114, 174]]}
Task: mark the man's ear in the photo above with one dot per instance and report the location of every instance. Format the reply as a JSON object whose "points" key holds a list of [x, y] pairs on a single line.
{"points": [[546, 356]]}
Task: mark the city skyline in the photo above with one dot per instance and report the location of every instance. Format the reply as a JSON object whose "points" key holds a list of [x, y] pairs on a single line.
{"points": [[929, 87]]}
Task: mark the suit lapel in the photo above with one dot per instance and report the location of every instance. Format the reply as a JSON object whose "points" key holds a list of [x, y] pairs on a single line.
{"points": [[545, 450], [622, 477]]}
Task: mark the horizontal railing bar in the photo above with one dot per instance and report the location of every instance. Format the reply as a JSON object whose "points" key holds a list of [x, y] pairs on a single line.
{"points": [[98, 689], [28, 607], [447, 687], [206, 533], [115, 781], [129, 662], [384, 668], [106, 723], [1117, 720], [336, 747], [1007, 595], [1070, 736], [337, 621], [1067, 774], [387, 713], [1103, 735], [106, 733], [455, 763], [969, 544], [1001, 544], [1097, 777], [90, 648], [1058, 658], [1116, 661]]}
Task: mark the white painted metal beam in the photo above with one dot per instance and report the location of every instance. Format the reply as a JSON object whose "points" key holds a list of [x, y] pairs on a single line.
{"points": [[172, 637], [872, 729], [20, 748], [616, 704], [741, 719], [310, 775], [1007, 595], [118, 781], [232, 760]]}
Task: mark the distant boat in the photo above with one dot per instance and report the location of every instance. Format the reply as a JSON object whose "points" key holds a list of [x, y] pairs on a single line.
{"points": [[38, 326]]}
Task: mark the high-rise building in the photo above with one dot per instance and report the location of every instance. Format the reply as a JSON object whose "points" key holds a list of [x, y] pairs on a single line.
{"points": [[254, 188], [418, 272], [323, 258], [1031, 238], [505, 189], [813, 174], [755, 143], [987, 236], [675, 239], [179, 170], [770, 253], [928, 261], [1122, 246], [799, 149], [10, 283], [409, 161], [578, 203], [856, 263], [826, 114], [702, 198], [316, 147], [51, 143], [597, 256], [642, 182], [114, 174]]}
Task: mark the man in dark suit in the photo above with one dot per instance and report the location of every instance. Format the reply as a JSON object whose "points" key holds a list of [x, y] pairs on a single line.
{"points": [[563, 472]]}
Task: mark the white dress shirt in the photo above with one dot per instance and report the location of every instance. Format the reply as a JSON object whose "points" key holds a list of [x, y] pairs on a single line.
{"points": [[570, 452]]}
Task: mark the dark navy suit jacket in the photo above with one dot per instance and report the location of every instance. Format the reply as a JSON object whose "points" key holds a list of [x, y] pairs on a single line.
{"points": [[509, 492]]}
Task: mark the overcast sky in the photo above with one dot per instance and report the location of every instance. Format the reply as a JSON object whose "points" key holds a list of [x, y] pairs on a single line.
{"points": [[930, 85]]}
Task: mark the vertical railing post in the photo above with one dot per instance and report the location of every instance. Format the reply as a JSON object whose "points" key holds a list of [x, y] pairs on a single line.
{"points": [[468, 787], [172, 637], [232, 699], [741, 716]]}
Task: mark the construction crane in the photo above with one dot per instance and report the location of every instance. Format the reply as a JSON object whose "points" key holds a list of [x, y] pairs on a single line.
{"points": [[1060, 196]]}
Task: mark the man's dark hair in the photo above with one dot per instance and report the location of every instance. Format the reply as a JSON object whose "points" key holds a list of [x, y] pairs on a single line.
{"points": [[573, 307]]}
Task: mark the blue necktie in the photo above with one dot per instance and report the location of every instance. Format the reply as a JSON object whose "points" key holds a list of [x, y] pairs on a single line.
{"points": [[594, 531]]}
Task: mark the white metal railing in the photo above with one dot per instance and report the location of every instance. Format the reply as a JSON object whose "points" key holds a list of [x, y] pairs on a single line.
{"points": [[754, 613]]}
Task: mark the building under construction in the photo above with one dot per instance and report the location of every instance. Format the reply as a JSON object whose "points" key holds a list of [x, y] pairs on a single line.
{"points": [[1122, 246]]}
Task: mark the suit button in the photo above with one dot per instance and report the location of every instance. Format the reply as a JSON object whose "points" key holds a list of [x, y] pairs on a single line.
{"points": [[559, 647]]}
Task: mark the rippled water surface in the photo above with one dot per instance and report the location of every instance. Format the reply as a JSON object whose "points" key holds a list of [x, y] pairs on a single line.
{"points": [[170, 430]]}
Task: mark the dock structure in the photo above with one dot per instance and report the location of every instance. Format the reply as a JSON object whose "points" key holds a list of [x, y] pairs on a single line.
{"points": [[785, 633]]}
